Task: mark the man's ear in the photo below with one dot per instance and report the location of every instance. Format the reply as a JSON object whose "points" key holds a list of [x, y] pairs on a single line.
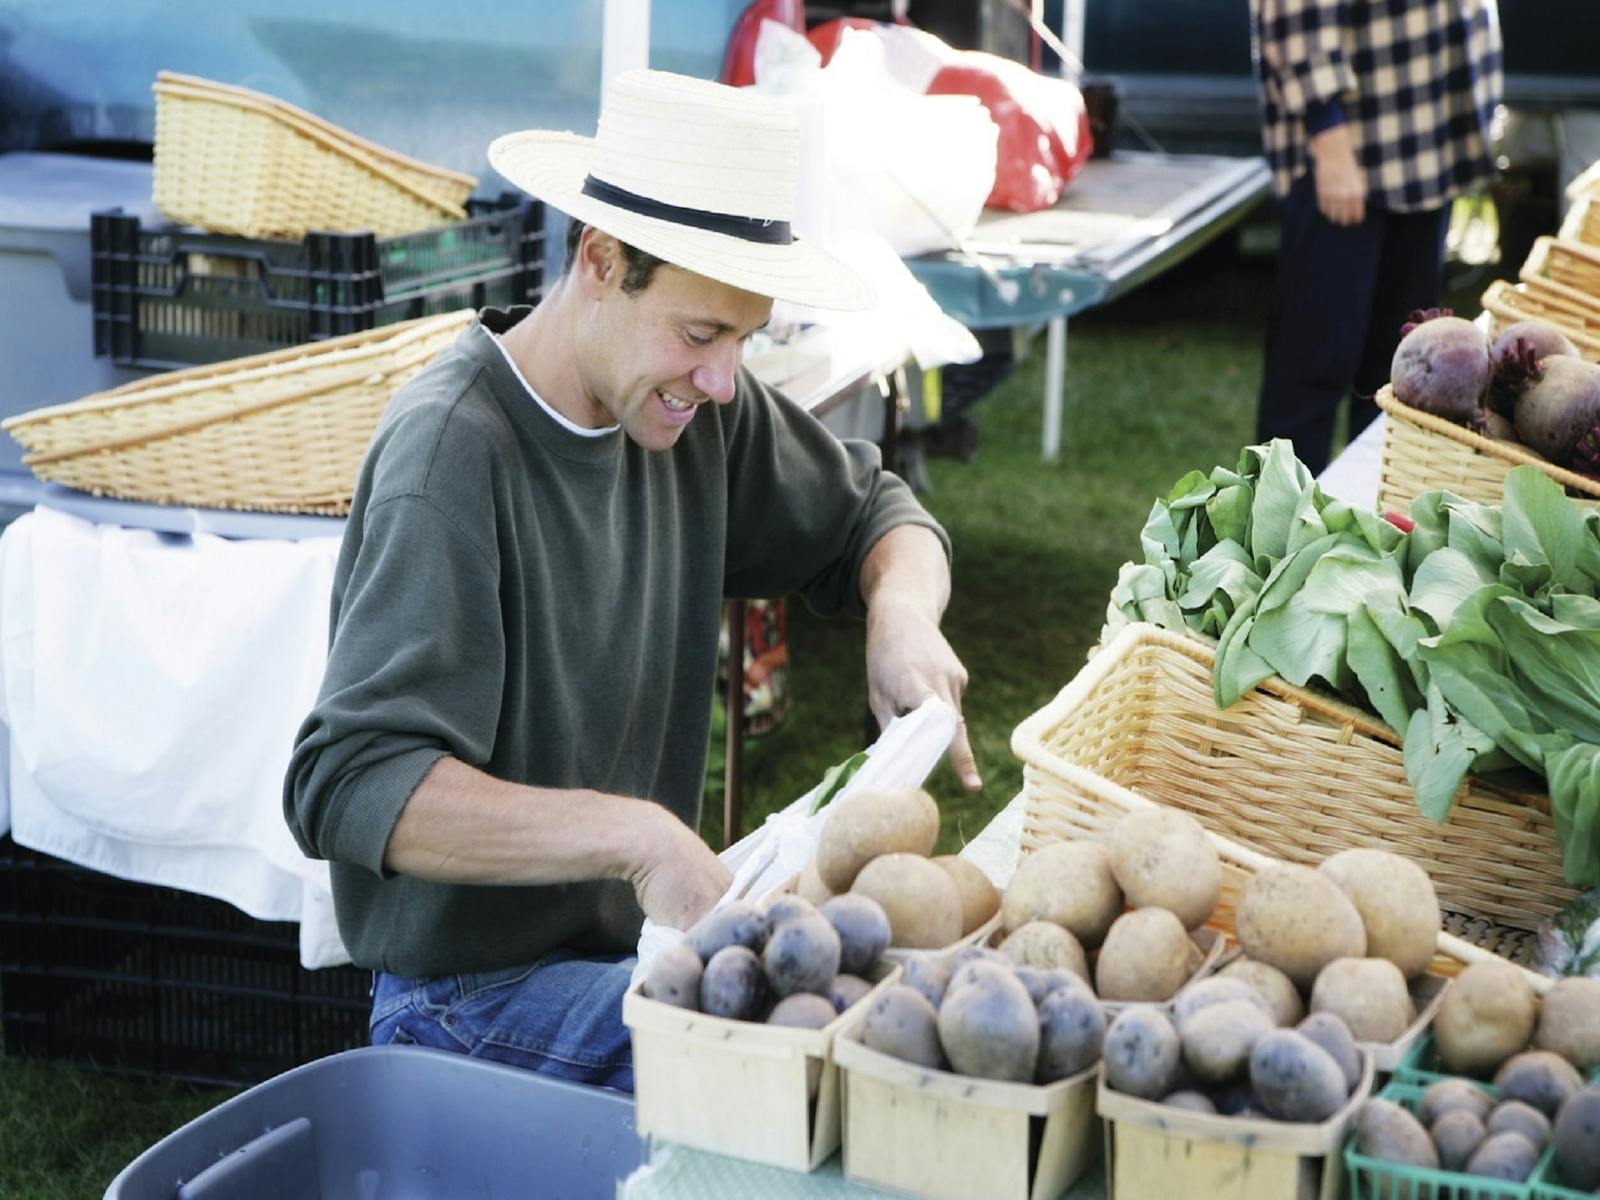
{"points": [[599, 261]]}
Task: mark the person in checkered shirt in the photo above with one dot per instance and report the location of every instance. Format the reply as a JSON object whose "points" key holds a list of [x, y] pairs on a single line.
{"points": [[1376, 114]]}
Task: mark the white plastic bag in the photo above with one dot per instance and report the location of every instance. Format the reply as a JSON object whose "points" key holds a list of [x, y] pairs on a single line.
{"points": [[903, 756]]}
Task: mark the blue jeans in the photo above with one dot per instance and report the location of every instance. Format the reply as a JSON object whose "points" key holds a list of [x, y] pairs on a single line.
{"points": [[562, 1016]]}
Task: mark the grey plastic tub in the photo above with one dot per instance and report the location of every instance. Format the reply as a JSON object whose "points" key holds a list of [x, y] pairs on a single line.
{"points": [[395, 1123]]}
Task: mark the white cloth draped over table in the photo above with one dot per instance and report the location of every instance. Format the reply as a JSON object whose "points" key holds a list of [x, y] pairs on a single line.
{"points": [[152, 685]]}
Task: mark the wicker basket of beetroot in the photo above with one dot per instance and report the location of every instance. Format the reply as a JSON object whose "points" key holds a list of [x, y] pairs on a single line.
{"points": [[1463, 410]]}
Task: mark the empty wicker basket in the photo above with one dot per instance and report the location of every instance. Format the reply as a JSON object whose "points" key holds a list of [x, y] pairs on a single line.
{"points": [[1571, 268], [1424, 453], [1583, 222], [1509, 303], [279, 432], [1284, 775], [236, 161]]}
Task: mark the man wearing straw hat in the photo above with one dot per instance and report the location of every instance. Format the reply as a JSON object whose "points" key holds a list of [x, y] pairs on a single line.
{"points": [[505, 762]]}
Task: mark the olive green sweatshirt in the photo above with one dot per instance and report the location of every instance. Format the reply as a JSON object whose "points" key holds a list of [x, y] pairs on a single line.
{"points": [[545, 606]]}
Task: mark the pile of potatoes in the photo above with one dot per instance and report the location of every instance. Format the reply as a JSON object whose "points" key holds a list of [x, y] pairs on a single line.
{"points": [[1223, 1051], [977, 1012], [1485, 1027], [1352, 938], [1133, 900], [790, 963], [877, 844]]}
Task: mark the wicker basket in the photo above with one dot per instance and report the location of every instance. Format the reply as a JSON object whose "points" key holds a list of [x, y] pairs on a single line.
{"points": [[1583, 222], [236, 161], [1422, 453], [1571, 268], [1282, 775], [1509, 303], [279, 432], [1586, 184]]}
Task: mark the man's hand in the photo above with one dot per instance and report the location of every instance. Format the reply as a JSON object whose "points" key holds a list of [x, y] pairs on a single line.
{"points": [[678, 879], [1341, 187], [909, 660]]}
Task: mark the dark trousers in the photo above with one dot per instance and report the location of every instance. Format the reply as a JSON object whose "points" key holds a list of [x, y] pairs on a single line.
{"points": [[1343, 293]]}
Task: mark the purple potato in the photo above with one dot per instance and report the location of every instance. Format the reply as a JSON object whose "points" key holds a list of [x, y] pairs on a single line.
{"points": [[863, 929], [674, 977], [732, 984]]}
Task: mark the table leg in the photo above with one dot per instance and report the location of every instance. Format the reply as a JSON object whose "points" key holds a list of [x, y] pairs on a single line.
{"points": [[733, 711], [1055, 370]]}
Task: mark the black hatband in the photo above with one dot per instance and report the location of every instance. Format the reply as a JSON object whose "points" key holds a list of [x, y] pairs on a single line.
{"points": [[751, 229]]}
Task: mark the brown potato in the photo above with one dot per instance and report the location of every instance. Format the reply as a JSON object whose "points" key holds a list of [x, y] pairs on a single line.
{"points": [[1044, 944], [810, 886], [920, 900], [1487, 1015], [1161, 858], [864, 825], [1298, 920], [1369, 994], [1217, 1039], [1069, 883], [979, 899], [1275, 987], [1396, 900], [1569, 1021], [1146, 957]]}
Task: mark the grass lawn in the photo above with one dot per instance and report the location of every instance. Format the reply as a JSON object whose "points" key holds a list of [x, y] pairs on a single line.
{"points": [[1161, 382]]}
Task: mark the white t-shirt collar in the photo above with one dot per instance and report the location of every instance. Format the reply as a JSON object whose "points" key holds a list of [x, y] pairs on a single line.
{"points": [[565, 422]]}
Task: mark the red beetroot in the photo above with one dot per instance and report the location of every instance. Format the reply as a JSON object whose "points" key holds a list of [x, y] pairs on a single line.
{"points": [[1516, 353], [1442, 367], [1558, 414]]}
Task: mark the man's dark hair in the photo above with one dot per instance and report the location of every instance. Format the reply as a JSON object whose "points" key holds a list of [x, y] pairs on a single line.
{"points": [[641, 266]]}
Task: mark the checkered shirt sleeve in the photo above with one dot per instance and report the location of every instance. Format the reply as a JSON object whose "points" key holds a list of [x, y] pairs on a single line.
{"points": [[1419, 82]]}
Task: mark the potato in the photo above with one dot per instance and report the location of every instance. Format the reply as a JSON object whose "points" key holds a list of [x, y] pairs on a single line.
{"points": [[674, 977], [785, 906], [1069, 883], [863, 929], [1296, 1079], [737, 923], [732, 984], [1191, 1101], [1217, 1039], [988, 1026], [802, 955], [810, 886], [1577, 1140], [1487, 1015], [1238, 1099], [1387, 1131], [1145, 957], [1142, 1052], [865, 825], [1569, 1021], [1298, 920], [1203, 993], [1457, 1136], [1279, 990], [1396, 900], [979, 899], [1453, 1095], [1541, 1078], [928, 974], [1329, 1031], [1369, 994], [1046, 946], [1071, 1031], [1041, 981], [921, 902], [1508, 1156], [903, 1024], [1161, 858], [845, 990], [1517, 1116], [803, 1010]]}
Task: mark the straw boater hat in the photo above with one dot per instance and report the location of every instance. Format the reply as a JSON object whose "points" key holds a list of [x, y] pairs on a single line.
{"points": [[695, 173]]}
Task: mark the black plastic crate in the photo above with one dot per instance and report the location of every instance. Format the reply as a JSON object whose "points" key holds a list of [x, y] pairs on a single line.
{"points": [[173, 297], [157, 981]]}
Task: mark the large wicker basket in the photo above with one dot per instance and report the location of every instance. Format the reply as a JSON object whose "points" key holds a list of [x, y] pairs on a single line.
{"points": [[1284, 775], [236, 161], [279, 432], [1582, 223], [1570, 268], [1509, 303], [1422, 453]]}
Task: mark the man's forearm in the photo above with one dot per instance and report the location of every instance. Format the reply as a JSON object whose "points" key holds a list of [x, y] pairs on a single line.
{"points": [[463, 826], [907, 565]]}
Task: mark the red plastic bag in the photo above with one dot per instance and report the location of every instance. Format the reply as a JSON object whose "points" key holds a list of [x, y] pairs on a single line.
{"points": [[1034, 163], [825, 37], [738, 62]]}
